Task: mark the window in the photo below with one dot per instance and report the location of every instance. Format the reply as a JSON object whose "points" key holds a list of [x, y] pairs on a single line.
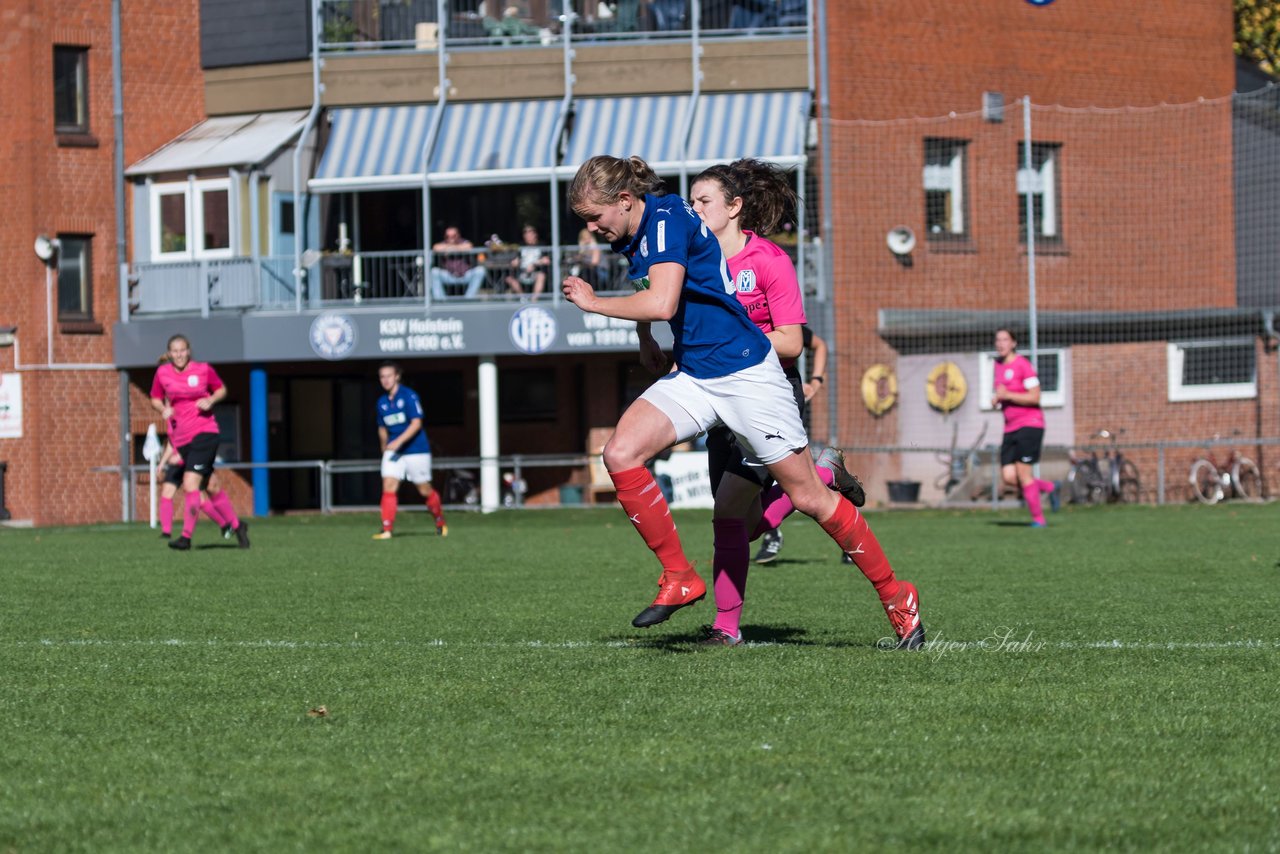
{"points": [[70, 89], [1050, 369], [286, 217], [528, 394], [75, 278], [1041, 181], [191, 220], [944, 198], [1213, 370]]}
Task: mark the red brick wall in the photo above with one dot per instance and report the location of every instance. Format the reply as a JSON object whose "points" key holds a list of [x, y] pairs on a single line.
{"points": [[1146, 194], [71, 417]]}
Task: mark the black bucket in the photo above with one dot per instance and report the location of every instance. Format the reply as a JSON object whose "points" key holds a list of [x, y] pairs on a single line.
{"points": [[904, 491]]}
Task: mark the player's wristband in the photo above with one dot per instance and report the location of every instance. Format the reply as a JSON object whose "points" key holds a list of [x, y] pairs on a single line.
{"points": [[818, 379]]}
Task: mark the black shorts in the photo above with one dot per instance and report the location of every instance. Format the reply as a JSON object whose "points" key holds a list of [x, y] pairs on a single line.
{"points": [[198, 456], [172, 474], [1022, 446], [724, 455]]}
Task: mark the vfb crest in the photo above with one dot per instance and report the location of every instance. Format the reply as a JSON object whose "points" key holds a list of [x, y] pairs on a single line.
{"points": [[532, 329]]}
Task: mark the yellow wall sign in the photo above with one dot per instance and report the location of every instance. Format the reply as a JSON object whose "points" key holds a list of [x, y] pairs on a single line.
{"points": [[879, 389], [946, 386]]}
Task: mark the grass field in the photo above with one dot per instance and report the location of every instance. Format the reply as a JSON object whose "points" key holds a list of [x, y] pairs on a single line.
{"points": [[1110, 682]]}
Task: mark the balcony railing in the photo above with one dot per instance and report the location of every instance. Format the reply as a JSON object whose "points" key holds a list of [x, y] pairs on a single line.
{"points": [[412, 24], [214, 286]]}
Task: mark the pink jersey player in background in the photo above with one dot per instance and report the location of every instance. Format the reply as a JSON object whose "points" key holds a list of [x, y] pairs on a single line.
{"points": [[184, 393], [1017, 395]]}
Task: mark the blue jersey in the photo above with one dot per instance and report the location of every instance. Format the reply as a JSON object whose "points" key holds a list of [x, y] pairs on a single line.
{"points": [[713, 335], [395, 414]]}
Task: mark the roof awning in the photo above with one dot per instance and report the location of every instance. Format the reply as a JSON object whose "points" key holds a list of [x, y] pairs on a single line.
{"points": [[764, 125], [374, 148], [381, 148], [648, 126], [224, 142], [726, 126]]}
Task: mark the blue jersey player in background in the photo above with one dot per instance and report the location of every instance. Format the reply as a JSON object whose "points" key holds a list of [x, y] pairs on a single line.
{"points": [[406, 452], [726, 372]]}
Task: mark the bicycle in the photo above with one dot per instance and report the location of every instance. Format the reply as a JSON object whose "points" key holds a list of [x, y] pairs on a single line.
{"points": [[1087, 483], [1236, 477]]}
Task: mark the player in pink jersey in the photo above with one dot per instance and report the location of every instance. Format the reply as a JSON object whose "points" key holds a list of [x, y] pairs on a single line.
{"points": [[1017, 395], [739, 202], [184, 393]]}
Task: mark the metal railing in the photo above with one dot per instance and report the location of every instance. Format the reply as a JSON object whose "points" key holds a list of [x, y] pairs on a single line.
{"points": [[209, 286], [378, 25]]}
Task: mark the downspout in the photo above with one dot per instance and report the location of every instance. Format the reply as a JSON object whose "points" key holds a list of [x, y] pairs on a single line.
{"points": [[686, 127], [1269, 326], [317, 88], [802, 233], [553, 155], [117, 117], [828, 261], [429, 144]]}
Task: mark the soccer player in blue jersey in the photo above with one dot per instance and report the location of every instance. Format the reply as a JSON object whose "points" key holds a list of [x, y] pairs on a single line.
{"points": [[726, 372], [406, 453]]}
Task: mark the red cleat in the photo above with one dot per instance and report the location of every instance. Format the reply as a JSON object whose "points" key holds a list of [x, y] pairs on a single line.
{"points": [[674, 592], [904, 616]]}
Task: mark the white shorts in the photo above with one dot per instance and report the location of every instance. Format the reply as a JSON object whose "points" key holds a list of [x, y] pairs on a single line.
{"points": [[757, 404], [411, 467]]}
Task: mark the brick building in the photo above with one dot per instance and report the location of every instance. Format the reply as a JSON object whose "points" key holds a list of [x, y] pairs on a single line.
{"points": [[1135, 184], [56, 177]]}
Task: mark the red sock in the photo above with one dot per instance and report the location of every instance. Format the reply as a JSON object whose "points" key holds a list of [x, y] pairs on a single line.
{"points": [[729, 572], [1031, 494], [433, 504], [389, 506], [642, 501], [190, 512], [850, 530], [776, 505], [166, 515], [226, 509]]}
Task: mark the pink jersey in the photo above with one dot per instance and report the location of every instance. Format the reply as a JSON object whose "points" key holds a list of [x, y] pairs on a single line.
{"points": [[765, 281], [182, 390], [1018, 376]]}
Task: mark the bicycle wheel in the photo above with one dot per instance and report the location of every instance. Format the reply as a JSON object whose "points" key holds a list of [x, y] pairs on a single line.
{"points": [[1206, 483], [1130, 487], [1085, 483], [1247, 479]]}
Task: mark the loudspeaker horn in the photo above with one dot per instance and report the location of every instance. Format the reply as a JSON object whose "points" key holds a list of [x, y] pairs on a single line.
{"points": [[901, 240]]}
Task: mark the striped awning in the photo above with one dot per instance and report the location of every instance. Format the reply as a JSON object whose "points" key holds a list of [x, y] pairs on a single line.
{"points": [[765, 125], [374, 148], [380, 148], [495, 142], [649, 126]]}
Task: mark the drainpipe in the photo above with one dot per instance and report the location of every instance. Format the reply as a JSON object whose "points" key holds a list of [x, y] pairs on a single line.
{"points": [[828, 241], [317, 89]]}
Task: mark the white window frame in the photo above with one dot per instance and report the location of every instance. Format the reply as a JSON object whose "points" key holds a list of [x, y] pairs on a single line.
{"points": [[1178, 392], [192, 193], [1048, 399], [1041, 182], [948, 177]]}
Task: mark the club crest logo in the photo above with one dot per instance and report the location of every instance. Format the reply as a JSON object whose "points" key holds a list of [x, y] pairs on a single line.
{"points": [[746, 281], [333, 336], [193, 381], [644, 246], [532, 329]]}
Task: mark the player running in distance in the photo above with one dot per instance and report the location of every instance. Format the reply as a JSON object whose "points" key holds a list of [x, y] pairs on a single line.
{"points": [[726, 373], [1017, 395], [406, 452]]}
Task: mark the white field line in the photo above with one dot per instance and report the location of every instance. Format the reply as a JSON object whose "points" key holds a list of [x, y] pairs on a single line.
{"points": [[993, 644]]}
